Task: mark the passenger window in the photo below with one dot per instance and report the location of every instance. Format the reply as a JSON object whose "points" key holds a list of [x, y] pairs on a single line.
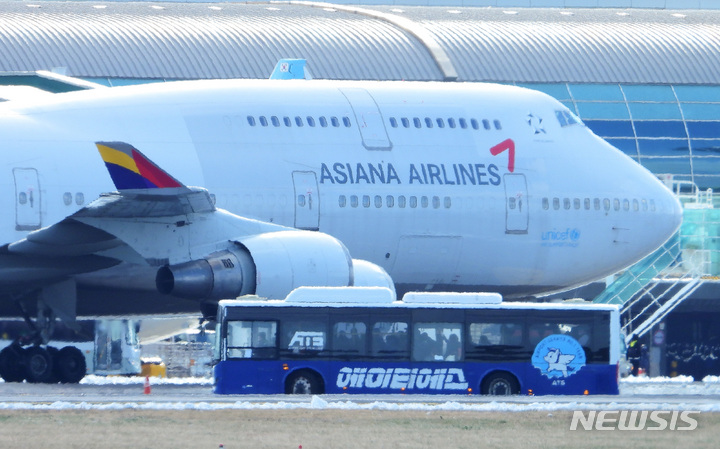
{"points": [[463, 123], [424, 202], [263, 121], [349, 338], [251, 339], [626, 205], [636, 205], [298, 121], [498, 126], [448, 202], [486, 124], [378, 201], [22, 198], [436, 202], [401, 201], [428, 122], [390, 339], [416, 122], [644, 205], [301, 200], [366, 201], [405, 122], [307, 337], [556, 203], [335, 122], [275, 121], [451, 122], [353, 201], [652, 205], [251, 120], [496, 334], [475, 124], [346, 122], [511, 202], [287, 121], [566, 203], [390, 201], [616, 204], [440, 123], [545, 203], [596, 203], [342, 200], [393, 122], [310, 121], [413, 202], [323, 122], [606, 204], [437, 342], [576, 203]]}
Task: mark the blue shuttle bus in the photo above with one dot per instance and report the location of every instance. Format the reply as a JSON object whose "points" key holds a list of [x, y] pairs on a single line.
{"points": [[361, 340]]}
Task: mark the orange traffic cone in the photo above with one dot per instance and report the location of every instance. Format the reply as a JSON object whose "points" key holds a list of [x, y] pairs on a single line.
{"points": [[146, 390]]}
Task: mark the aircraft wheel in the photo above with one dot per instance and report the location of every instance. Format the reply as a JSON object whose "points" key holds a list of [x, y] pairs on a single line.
{"points": [[12, 364], [38, 365], [303, 382], [70, 365], [500, 384]]}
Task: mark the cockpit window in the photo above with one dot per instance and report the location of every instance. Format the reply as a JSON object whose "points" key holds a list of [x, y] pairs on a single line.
{"points": [[567, 118]]}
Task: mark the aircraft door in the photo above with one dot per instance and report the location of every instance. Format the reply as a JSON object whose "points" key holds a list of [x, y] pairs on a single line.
{"points": [[307, 200], [516, 204], [27, 199], [368, 118]]}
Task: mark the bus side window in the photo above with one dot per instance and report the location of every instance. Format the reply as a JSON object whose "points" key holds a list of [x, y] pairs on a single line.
{"points": [[437, 341], [251, 339], [390, 339], [304, 337], [349, 338]]}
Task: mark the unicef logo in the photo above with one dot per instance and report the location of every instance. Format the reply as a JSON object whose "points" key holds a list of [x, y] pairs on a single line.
{"points": [[558, 356]]}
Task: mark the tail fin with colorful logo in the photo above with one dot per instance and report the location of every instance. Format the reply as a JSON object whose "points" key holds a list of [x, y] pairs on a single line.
{"points": [[130, 169]]}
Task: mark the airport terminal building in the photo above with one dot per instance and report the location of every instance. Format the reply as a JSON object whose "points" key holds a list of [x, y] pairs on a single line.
{"points": [[642, 75]]}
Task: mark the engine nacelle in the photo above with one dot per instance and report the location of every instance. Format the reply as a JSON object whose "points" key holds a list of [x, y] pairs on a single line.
{"points": [[270, 265]]}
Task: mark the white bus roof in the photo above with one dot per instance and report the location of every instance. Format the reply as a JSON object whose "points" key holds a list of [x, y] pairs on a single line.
{"points": [[384, 297]]}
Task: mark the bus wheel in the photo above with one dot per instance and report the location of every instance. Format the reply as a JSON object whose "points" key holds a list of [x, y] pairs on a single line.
{"points": [[500, 384], [11, 363], [303, 382], [38, 365], [70, 365]]}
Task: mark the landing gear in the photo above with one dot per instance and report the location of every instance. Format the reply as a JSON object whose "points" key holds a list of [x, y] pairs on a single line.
{"points": [[39, 365], [69, 365], [36, 363], [12, 363]]}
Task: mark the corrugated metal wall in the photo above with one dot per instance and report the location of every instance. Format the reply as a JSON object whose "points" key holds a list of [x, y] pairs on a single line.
{"points": [[226, 40]]}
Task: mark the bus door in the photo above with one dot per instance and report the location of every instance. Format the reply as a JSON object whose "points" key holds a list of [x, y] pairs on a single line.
{"points": [[516, 204], [307, 200]]}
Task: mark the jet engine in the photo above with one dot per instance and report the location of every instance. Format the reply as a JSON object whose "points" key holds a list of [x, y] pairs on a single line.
{"points": [[269, 265]]}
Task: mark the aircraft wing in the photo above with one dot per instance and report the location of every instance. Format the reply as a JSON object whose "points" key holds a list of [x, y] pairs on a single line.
{"points": [[178, 241]]}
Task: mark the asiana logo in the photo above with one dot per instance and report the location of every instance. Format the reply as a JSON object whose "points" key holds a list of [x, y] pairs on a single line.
{"points": [[558, 356]]}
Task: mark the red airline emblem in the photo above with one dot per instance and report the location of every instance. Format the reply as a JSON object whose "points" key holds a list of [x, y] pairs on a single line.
{"points": [[509, 145]]}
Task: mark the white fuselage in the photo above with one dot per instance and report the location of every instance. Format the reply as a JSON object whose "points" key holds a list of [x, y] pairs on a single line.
{"points": [[441, 207]]}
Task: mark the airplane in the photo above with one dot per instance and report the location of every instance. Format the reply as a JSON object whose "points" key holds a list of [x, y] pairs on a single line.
{"points": [[441, 186]]}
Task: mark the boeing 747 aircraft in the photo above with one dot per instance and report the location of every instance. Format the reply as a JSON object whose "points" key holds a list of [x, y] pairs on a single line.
{"points": [[470, 187]]}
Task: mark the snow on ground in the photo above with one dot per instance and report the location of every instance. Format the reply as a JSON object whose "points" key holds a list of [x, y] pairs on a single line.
{"points": [[629, 387]]}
